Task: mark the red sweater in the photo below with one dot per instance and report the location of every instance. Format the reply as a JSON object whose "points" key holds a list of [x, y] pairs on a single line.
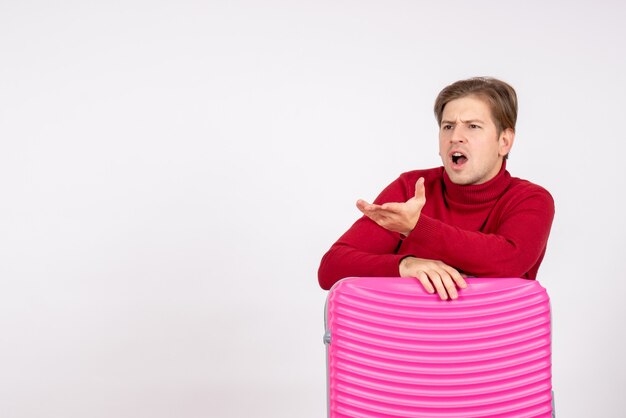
{"points": [[496, 229]]}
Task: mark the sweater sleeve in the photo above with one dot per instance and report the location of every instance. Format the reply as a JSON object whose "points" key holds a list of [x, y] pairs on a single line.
{"points": [[366, 249], [513, 247]]}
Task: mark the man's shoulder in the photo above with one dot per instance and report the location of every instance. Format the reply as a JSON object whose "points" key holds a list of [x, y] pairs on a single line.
{"points": [[525, 188], [523, 184]]}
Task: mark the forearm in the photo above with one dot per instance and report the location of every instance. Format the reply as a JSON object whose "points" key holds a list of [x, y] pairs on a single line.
{"points": [[477, 253], [511, 251], [365, 249], [345, 261]]}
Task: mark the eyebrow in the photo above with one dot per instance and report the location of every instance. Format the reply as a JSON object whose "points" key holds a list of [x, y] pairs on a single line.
{"points": [[470, 121]]}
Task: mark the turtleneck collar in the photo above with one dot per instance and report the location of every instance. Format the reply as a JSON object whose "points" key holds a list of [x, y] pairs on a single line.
{"points": [[479, 193]]}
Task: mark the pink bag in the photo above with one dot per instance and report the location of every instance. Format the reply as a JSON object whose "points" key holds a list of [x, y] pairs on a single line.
{"points": [[394, 350]]}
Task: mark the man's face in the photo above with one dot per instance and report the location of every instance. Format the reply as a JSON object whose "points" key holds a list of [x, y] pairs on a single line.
{"points": [[469, 144]]}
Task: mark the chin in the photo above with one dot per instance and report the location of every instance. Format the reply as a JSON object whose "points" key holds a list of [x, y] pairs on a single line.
{"points": [[458, 178], [461, 181]]}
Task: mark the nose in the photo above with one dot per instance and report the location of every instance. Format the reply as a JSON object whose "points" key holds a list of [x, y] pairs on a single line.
{"points": [[457, 136]]}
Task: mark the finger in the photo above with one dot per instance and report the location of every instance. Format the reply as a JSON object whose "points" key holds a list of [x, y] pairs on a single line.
{"points": [[369, 209], [362, 205], [420, 189], [435, 278], [460, 281], [423, 278], [393, 207], [458, 278], [450, 285]]}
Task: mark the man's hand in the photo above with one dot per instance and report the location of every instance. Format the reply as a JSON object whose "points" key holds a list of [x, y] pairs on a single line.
{"points": [[444, 278], [397, 217]]}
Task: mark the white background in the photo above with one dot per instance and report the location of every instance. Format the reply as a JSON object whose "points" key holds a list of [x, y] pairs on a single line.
{"points": [[172, 172]]}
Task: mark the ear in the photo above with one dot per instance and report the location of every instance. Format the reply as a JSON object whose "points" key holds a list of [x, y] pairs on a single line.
{"points": [[507, 137]]}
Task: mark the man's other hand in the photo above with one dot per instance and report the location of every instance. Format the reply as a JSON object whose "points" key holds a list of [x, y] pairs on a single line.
{"points": [[434, 275], [397, 217]]}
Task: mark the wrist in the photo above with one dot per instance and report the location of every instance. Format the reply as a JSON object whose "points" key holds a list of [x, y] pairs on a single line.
{"points": [[406, 234], [412, 225], [404, 265]]}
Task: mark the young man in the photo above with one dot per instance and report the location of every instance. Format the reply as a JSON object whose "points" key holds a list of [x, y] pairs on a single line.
{"points": [[467, 218]]}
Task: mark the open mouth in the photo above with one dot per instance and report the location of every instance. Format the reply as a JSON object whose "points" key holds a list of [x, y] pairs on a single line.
{"points": [[458, 158]]}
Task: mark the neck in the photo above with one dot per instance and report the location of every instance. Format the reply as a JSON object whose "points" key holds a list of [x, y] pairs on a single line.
{"points": [[478, 193]]}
